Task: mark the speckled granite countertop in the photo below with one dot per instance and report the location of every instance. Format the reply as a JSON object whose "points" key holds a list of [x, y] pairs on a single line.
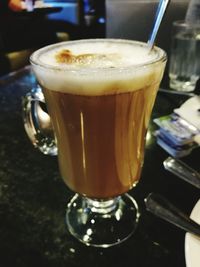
{"points": [[33, 199]]}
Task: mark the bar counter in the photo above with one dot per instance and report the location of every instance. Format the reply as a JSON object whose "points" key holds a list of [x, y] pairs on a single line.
{"points": [[38, 11], [33, 198]]}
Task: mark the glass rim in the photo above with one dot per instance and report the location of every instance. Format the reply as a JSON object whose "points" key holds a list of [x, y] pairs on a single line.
{"points": [[162, 57]]}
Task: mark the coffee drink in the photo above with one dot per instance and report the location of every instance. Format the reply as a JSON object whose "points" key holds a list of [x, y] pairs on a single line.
{"points": [[100, 95]]}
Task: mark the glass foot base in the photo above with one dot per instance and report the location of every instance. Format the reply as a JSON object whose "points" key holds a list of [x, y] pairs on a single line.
{"points": [[102, 223], [182, 86]]}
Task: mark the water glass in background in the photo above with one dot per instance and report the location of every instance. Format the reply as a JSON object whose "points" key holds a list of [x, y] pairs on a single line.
{"points": [[184, 68]]}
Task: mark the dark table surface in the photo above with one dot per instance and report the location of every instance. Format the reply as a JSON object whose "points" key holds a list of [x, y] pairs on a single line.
{"points": [[33, 198]]}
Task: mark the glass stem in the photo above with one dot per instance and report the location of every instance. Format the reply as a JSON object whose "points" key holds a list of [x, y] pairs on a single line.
{"points": [[101, 206]]}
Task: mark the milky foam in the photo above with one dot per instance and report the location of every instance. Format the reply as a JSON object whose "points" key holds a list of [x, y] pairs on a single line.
{"points": [[97, 66]]}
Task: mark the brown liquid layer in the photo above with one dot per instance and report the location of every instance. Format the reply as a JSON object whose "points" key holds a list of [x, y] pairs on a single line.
{"points": [[101, 139]]}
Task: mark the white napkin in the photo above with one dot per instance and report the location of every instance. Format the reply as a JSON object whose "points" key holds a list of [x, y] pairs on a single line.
{"points": [[190, 111]]}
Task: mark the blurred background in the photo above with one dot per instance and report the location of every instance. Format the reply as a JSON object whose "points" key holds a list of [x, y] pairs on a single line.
{"points": [[28, 25]]}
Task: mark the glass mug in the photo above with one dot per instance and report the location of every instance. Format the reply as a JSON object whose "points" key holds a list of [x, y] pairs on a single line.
{"points": [[100, 113]]}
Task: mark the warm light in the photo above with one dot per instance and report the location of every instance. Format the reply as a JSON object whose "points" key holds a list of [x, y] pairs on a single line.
{"points": [[148, 138]]}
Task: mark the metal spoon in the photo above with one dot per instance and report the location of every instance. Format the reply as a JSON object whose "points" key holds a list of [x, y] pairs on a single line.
{"points": [[162, 7], [183, 171], [162, 208]]}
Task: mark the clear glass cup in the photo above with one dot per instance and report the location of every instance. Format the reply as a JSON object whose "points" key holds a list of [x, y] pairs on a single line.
{"points": [[184, 68], [100, 137]]}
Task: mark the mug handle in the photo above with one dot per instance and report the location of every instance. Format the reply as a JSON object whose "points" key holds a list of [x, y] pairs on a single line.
{"points": [[37, 122]]}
